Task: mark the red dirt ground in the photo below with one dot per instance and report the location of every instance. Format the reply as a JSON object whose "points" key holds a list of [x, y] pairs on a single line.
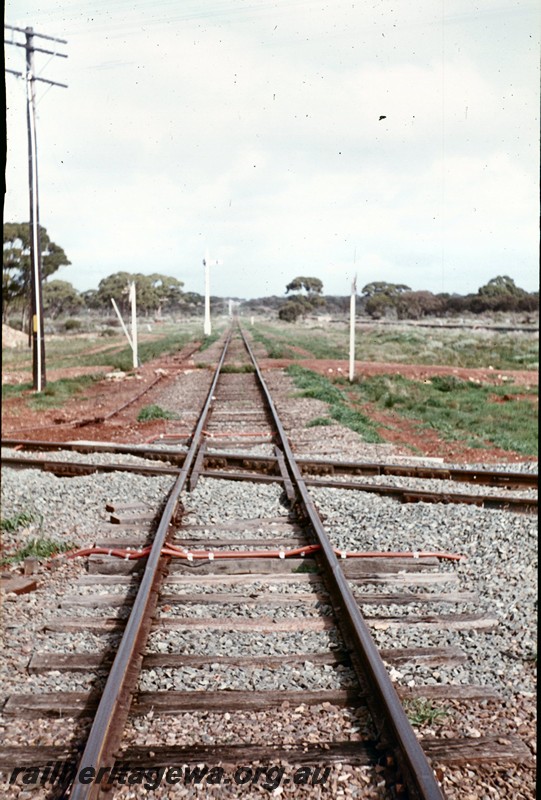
{"points": [[412, 371], [411, 437], [105, 396]]}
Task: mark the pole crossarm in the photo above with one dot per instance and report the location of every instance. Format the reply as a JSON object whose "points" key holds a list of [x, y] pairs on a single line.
{"points": [[37, 49], [52, 83], [50, 52], [39, 35]]}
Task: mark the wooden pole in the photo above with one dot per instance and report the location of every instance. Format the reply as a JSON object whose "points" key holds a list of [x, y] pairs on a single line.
{"points": [[36, 305], [36, 327]]}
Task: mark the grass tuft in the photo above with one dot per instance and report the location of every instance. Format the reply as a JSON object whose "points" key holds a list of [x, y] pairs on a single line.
{"points": [[39, 548], [274, 348], [20, 520], [356, 421], [146, 351], [422, 712], [231, 368], [314, 385], [149, 413], [307, 567], [317, 421], [15, 390], [55, 394], [208, 340]]}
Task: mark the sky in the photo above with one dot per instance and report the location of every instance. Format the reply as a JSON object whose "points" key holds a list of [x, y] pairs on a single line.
{"points": [[397, 140]]}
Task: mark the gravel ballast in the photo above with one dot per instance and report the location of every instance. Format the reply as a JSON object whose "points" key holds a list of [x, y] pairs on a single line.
{"points": [[500, 564]]}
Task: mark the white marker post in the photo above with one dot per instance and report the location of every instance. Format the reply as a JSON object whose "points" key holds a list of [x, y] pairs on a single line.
{"points": [[134, 324], [207, 327], [352, 329]]}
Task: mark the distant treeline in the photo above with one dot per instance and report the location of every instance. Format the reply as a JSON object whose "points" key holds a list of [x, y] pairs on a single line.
{"points": [[381, 300], [159, 294]]}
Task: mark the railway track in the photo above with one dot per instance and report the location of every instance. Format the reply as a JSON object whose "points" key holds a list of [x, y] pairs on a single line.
{"points": [[249, 578], [315, 472], [259, 463]]}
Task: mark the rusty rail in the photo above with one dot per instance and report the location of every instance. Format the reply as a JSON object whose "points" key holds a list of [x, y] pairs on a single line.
{"points": [[106, 731], [509, 479], [528, 505], [409, 753]]}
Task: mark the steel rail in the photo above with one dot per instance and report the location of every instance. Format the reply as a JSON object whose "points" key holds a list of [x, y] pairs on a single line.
{"points": [[152, 453], [106, 731], [328, 468], [418, 772], [403, 494], [323, 467], [68, 469]]}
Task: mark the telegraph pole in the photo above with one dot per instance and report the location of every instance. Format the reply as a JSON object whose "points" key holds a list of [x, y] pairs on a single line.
{"points": [[36, 298]]}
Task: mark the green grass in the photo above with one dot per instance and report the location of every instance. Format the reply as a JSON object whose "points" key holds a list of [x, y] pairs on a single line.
{"points": [[14, 390], [356, 420], [151, 412], [319, 421], [238, 368], [422, 712], [279, 339], [314, 385], [477, 349], [20, 520], [318, 387], [55, 394], [307, 567], [147, 350], [478, 414], [208, 340], [39, 548], [401, 344], [274, 348], [70, 351]]}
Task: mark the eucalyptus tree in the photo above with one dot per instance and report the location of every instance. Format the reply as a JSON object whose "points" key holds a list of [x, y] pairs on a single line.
{"points": [[16, 263]]}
